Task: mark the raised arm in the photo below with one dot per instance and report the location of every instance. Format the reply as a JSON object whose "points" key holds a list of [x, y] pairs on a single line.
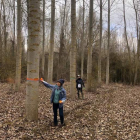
{"points": [[47, 84]]}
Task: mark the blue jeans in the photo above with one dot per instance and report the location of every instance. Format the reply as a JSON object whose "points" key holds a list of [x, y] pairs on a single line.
{"points": [[55, 107]]}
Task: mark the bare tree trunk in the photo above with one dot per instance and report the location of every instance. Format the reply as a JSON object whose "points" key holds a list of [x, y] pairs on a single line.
{"points": [[137, 55], [73, 49], [43, 43], [51, 50], [19, 47], [4, 22], [1, 50], [82, 43], [33, 60], [46, 66], [128, 48], [5, 33], [27, 1], [137, 60], [99, 59], [90, 35], [61, 65], [108, 47], [14, 29]]}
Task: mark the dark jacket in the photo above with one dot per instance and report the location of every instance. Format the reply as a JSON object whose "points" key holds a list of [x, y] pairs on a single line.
{"points": [[62, 95], [79, 81]]}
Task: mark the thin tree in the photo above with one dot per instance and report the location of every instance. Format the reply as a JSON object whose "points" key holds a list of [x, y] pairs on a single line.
{"points": [[82, 42], [73, 49], [61, 63], [33, 60], [14, 28], [108, 46], [137, 30], [90, 35], [126, 39], [51, 50], [0, 39], [100, 46], [19, 46], [43, 42], [5, 28]]}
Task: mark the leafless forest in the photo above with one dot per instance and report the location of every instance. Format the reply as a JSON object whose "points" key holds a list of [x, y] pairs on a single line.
{"points": [[49, 39]]}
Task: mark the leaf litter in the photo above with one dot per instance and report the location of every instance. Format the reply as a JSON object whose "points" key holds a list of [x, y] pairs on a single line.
{"points": [[112, 114]]}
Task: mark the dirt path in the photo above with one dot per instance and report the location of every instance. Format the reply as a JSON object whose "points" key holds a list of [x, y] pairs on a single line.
{"points": [[112, 114]]}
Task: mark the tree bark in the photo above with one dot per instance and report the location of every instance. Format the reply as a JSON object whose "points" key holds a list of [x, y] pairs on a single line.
{"points": [[127, 44], [82, 43], [0, 40], [5, 33], [51, 50], [46, 67], [19, 46], [43, 43], [61, 65], [33, 60], [90, 36], [108, 47], [100, 46], [14, 29], [73, 50], [137, 55]]}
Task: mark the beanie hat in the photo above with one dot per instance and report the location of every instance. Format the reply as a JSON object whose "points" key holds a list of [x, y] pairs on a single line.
{"points": [[61, 81]]}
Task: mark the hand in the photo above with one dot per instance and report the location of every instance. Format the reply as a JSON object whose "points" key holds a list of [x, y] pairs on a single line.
{"points": [[41, 79], [60, 102]]}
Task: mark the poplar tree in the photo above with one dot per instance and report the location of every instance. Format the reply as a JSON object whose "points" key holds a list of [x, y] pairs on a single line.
{"points": [[51, 50], [90, 35], [33, 60], [73, 49], [19, 46]]}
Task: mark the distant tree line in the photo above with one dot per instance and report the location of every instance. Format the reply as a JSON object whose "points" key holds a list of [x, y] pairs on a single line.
{"points": [[99, 54]]}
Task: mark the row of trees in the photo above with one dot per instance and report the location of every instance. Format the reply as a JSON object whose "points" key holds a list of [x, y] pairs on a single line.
{"points": [[58, 48]]}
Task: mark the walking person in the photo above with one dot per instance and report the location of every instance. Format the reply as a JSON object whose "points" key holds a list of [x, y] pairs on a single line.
{"points": [[58, 97], [79, 86]]}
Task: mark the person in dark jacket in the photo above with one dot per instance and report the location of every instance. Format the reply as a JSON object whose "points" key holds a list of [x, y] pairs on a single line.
{"points": [[79, 85], [58, 97]]}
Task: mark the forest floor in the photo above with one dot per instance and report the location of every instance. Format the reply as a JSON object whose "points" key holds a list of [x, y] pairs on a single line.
{"points": [[112, 113]]}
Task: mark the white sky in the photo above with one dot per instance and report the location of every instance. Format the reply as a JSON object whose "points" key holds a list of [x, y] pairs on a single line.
{"points": [[117, 21], [116, 14]]}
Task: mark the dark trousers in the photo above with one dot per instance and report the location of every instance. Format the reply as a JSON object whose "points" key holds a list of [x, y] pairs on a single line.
{"points": [[55, 107], [79, 90]]}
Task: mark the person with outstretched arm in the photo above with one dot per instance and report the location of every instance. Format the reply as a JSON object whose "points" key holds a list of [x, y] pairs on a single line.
{"points": [[58, 97], [79, 85]]}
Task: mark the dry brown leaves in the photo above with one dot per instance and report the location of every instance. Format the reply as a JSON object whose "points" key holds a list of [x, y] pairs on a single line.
{"points": [[113, 113]]}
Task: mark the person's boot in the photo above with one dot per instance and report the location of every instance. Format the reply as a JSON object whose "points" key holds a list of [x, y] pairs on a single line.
{"points": [[61, 125], [54, 124]]}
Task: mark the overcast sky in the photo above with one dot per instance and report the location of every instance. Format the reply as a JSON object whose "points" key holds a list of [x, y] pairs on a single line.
{"points": [[117, 22], [117, 16]]}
